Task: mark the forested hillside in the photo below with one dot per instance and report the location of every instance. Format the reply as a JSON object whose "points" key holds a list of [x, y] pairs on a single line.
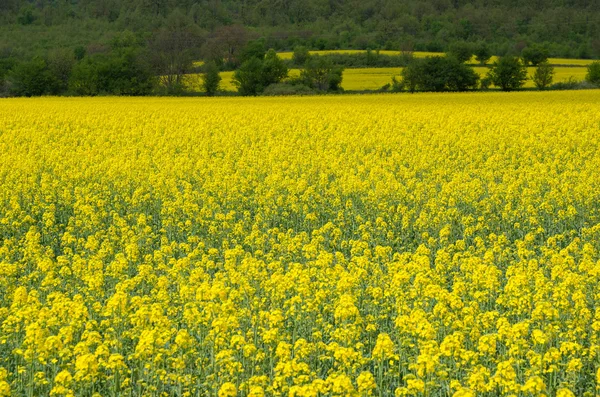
{"points": [[568, 28]]}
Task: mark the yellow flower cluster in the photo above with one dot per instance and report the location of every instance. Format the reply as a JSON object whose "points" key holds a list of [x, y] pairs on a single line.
{"points": [[412, 245]]}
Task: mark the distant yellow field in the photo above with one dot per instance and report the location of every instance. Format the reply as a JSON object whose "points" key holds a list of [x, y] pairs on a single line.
{"points": [[375, 78]]}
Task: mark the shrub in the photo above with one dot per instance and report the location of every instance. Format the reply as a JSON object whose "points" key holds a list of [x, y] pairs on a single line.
{"points": [[124, 72], [6, 64], [543, 75], [439, 74], [397, 85], [31, 78], [256, 74], [385, 88], [211, 78], [248, 77], [534, 55], [593, 73], [27, 15], [254, 49], [364, 59], [85, 76], [79, 52], [60, 65], [320, 74], [485, 83], [273, 69], [300, 56], [283, 89], [482, 53], [462, 51], [572, 84], [508, 73]]}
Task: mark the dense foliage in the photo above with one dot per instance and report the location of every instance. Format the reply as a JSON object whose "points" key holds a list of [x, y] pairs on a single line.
{"points": [[569, 28], [593, 73], [509, 73], [71, 47], [543, 75], [257, 73], [439, 74]]}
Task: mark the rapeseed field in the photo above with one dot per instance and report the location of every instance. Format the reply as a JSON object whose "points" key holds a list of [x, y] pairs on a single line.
{"points": [[391, 245], [358, 79]]}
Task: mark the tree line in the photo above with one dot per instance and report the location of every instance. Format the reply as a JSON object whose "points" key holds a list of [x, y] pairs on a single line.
{"points": [[567, 28], [160, 63], [508, 73]]}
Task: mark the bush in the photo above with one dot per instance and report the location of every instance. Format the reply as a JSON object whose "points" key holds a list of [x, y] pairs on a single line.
{"points": [[79, 52], [60, 65], [284, 89], [31, 78], [123, 72], [508, 73], [256, 74], [248, 77], [273, 69], [385, 88], [461, 50], [593, 73], [439, 74], [396, 85], [485, 83], [534, 55], [85, 76], [27, 15], [300, 56], [543, 75], [320, 74], [6, 64], [572, 84], [363, 59], [482, 53], [211, 78], [254, 49]]}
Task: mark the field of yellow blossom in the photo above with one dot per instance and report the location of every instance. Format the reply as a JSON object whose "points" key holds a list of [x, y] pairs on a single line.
{"points": [[390, 245], [374, 78]]}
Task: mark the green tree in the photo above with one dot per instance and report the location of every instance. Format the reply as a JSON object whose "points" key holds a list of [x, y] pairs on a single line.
{"points": [[273, 69], [534, 55], [257, 74], [227, 42], [508, 73], [211, 78], [31, 78], [173, 50], [79, 52], [60, 65], [300, 56], [482, 53], [123, 72], [253, 49], [593, 73], [6, 64], [27, 15], [543, 75], [439, 74], [321, 74], [85, 76], [461, 50], [248, 77]]}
